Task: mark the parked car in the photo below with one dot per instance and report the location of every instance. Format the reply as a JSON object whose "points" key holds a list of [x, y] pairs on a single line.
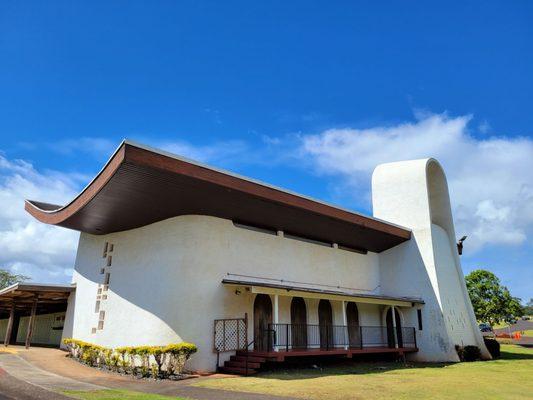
{"points": [[486, 330], [526, 318]]}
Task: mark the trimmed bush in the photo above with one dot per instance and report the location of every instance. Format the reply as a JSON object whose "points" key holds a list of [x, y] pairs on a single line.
{"points": [[493, 347], [471, 353], [460, 352], [155, 361]]}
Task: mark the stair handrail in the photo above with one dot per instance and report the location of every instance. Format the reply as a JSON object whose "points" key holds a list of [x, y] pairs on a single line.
{"points": [[247, 355]]}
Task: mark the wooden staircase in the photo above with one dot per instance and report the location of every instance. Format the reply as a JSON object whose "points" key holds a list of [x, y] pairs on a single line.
{"points": [[237, 363]]}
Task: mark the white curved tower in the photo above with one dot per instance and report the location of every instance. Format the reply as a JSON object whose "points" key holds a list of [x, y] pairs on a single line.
{"points": [[414, 194]]}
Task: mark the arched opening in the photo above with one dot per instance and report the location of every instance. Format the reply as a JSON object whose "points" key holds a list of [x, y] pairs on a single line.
{"points": [[390, 328], [352, 319], [325, 322], [298, 323], [262, 320]]}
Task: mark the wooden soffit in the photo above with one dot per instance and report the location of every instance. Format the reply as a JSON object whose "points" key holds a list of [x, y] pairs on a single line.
{"points": [[140, 185]]}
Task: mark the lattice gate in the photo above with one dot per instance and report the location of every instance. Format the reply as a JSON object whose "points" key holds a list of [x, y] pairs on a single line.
{"points": [[230, 334]]}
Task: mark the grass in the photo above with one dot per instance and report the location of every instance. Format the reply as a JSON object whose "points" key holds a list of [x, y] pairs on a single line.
{"points": [[529, 332], [505, 378], [116, 395]]}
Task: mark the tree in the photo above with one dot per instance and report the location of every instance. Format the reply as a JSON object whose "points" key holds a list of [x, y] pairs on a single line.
{"points": [[492, 301], [8, 279], [528, 309]]}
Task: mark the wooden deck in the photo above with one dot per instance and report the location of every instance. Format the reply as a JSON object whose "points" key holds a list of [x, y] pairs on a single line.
{"points": [[281, 355], [247, 363]]}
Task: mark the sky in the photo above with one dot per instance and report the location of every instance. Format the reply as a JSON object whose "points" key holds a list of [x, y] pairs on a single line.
{"points": [[309, 96]]}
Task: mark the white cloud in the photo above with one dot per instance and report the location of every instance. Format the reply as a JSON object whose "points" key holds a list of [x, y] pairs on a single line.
{"points": [[43, 252], [490, 179]]}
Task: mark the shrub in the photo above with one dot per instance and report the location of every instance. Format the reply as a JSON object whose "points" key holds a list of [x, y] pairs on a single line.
{"points": [[179, 354], [460, 352], [471, 353], [493, 347], [160, 358], [166, 359]]}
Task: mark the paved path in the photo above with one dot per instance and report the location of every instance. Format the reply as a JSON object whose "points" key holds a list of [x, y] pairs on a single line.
{"points": [[521, 325], [24, 371], [49, 369], [14, 389]]}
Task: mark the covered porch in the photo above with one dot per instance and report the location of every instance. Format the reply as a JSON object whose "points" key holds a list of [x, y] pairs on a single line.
{"points": [[33, 313], [292, 319]]}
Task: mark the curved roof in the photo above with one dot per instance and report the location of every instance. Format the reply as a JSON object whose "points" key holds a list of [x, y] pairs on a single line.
{"points": [[140, 185]]}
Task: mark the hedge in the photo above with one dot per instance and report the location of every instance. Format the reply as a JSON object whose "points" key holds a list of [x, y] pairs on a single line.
{"points": [[493, 347], [145, 361]]}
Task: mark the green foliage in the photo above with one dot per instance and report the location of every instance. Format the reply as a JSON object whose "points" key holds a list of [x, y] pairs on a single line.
{"points": [[493, 347], [528, 309], [492, 301], [167, 360], [471, 353], [8, 279]]}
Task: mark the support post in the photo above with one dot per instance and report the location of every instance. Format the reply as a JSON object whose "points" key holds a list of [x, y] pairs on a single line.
{"points": [[31, 322], [246, 329], [10, 324], [393, 311], [287, 337], [276, 317], [346, 328]]}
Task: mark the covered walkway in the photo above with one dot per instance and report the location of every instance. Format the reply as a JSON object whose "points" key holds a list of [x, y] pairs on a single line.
{"points": [[21, 303]]}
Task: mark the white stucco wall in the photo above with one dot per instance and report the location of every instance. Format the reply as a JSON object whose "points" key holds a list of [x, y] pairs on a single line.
{"points": [[165, 283], [43, 332], [415, 194]]}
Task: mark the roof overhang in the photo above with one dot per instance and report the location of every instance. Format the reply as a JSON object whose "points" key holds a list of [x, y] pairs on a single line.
{"points": [[140, 185], [319, 293], [49, 297]]}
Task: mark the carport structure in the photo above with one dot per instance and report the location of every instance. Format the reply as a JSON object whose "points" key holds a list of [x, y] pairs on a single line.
{"points": [[31, 299]]}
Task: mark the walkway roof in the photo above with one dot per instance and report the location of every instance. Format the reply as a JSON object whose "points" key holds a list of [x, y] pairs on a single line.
{"points": [[307, 290], [50, 297], [140, 185]]}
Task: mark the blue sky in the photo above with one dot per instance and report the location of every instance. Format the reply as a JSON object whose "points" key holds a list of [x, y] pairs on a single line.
{"points": [[308, 95]]}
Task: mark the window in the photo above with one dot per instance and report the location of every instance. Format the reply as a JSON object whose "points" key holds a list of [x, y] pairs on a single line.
{"points": [[106, 279], [101, 320], [419, 314], [97, 306], [93, 330], [352, 249], [111, 246], [307, 239], [105, 249], [102, 271], [109, 260], [256, 228]]}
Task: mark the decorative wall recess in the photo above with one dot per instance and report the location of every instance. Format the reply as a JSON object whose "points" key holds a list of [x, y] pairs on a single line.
{"points": [[103, 287]]}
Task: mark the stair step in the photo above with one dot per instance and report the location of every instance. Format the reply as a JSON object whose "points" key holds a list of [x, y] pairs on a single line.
{"points": [[242, 364], [238, 371], [250, 359]]}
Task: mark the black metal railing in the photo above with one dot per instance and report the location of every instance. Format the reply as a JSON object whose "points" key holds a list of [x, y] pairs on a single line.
{"points": [[329, 337]]}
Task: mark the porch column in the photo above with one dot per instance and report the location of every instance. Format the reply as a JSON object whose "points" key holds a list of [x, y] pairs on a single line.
{"points": [[394, 326], [31, 322], [276, 318], [10, 324], [345, 323]]}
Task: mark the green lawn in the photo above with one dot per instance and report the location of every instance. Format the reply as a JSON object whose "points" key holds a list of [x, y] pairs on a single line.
{"points": [[116, 395], [507, 378]]}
